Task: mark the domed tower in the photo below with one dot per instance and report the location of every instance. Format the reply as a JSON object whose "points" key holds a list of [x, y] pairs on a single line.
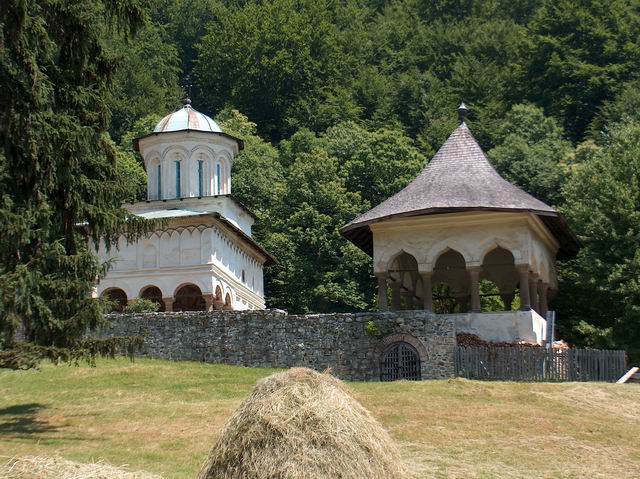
{"points": [[187, 156], [204, 257]]}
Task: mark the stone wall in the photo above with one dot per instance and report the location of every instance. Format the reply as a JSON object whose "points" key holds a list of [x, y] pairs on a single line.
{"points": [[350, 344]]}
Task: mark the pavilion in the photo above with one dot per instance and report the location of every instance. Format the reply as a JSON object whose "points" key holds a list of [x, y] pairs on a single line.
{"points": [[460, 224]]}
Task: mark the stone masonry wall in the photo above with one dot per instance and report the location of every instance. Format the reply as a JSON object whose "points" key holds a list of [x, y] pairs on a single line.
{"points": [[343, 342]]}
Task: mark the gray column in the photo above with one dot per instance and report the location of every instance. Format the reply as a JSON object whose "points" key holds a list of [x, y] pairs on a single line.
{"points": [[382, 291], [427, 291], [407, 296], [507, 299], [542, 292], [395, 295], [474, 277], [208, 301], [168, 304], [525, 301]]}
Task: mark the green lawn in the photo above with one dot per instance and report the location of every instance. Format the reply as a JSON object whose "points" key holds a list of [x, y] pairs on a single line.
{"points": [[163, 416]]}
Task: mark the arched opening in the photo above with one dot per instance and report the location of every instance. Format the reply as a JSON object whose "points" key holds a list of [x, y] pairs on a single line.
{"points": [[189, 298], [403, 279], [227, 303], [400, 361], [153, 293], [451, 283], [117, 297], [499, 277]]}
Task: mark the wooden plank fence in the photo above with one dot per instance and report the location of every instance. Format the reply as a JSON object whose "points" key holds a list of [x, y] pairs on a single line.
{"points": [[522, 363]]}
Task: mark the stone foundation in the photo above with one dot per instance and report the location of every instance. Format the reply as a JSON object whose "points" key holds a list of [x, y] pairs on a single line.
{"points": [[351, 345]]}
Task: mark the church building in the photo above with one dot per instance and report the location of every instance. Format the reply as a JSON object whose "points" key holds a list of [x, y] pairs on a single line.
{"points": [[203, 257], [458, 225]]}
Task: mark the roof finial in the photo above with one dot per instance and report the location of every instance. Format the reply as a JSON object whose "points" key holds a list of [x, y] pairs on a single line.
{"points": [[463, 111], [187, 101]]}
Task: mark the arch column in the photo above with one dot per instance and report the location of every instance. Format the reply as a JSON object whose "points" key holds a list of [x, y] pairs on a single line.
{"points": [[507, 299], [209, 302], [474, 280], [542, 293], [168, 304], [523, 273], [382, 291], [427, 290]]}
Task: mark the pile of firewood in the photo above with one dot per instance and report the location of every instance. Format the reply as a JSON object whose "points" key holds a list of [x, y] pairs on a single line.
{"points": [[471, 340]]}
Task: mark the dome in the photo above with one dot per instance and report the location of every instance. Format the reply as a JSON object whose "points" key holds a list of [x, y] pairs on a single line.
{"points": [[186, 118]]}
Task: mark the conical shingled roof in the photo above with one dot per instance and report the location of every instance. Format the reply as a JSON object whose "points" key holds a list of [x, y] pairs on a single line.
{"points": [[458, 178]]}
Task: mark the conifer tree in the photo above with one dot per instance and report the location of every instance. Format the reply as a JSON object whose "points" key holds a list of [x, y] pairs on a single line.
{"points": [[59, 188]]}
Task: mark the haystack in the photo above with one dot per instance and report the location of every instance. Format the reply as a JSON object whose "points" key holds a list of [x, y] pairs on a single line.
{"points": [[302, 424], [43, 467]]}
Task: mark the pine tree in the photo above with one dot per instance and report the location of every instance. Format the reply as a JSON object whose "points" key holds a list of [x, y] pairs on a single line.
{"points": [[59, 188]]}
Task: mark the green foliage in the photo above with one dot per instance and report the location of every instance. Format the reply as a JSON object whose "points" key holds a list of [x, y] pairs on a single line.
{"points": [[147, 80], [141, 305], [29, 355], [531, 151], [580, 54], [599, 290], [293, 49], [59, 184], [372, 329]]}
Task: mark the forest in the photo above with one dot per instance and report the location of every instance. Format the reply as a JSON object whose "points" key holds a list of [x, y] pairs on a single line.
{"points": [[340, 104]]}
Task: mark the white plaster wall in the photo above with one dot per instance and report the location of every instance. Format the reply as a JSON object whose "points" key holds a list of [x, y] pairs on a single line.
{"points": [[504, 326], [471, 234], [225, 205], [165, 149], [204, 254]]}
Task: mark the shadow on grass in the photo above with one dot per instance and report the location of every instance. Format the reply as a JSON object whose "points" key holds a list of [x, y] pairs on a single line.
{"points": [[22, 420]]}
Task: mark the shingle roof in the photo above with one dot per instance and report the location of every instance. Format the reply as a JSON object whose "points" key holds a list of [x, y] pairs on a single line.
{"points": [[458, 178]]}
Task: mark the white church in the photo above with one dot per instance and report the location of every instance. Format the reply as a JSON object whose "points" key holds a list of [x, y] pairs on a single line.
{"points": [[204, 257]]}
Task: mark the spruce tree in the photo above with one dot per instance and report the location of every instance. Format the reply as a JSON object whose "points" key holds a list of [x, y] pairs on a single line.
{"points": [[59, 189]]}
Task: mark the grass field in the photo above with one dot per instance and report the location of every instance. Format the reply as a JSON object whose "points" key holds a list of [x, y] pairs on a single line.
{"points": [[163, 417]]}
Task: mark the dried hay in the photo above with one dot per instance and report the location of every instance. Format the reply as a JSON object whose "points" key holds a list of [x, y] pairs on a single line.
{"points": [[302, 424], [42, 467]]}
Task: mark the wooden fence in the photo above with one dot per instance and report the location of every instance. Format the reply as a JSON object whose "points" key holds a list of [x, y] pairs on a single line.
{"points": [[522, 363]]}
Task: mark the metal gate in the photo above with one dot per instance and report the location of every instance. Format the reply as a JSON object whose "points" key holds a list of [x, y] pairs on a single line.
{"points": [[400, 361]]}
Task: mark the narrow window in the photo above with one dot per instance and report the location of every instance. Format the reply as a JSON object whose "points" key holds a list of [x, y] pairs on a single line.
{"points": [[159, 182], [177, 179], [200, 178], [218, 180], [243, 277]]}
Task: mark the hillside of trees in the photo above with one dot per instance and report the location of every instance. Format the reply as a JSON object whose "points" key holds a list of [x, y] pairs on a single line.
{"points": [[340, 103]]}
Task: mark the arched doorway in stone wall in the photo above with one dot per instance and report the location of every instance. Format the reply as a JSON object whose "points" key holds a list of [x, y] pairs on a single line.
{"points": [[400, 361], [153, 293], [189, 298], [118, 298]]}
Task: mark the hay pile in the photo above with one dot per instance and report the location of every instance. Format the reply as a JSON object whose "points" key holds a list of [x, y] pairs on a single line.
{"points": [[302, 424], [41, 467]]}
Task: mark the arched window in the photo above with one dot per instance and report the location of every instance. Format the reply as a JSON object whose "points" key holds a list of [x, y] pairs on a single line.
{"points": [[159, 169], [218, 179], [400, 361], [178, 192], [200, 178]]}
